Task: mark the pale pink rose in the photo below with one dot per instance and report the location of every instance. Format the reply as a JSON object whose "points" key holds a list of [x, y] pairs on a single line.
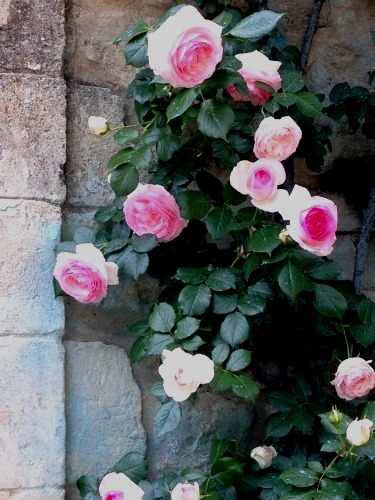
{"points": [[98, 125], [277, 138], [260, 180], [358, 432], [256, 67], [85, 274], [119, 487], [354, 378], [185, 491], [264, 455], [186, 48], [312, 221], [150, 209], [182, 372]]}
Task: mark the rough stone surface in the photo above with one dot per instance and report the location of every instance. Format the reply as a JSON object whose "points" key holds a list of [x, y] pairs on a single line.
{"points": [[103, 409], [37, 494], [32, 425], [32, 137], [38, 28], [212, 415], [90, 53], [30, 231], [88, 154]]}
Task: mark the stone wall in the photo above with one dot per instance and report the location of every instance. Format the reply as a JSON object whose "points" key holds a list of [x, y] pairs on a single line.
{"points": [[58, 66]]}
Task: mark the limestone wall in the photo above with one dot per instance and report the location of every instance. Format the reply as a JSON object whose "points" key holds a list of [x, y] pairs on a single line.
{"points": [[74, 407]]}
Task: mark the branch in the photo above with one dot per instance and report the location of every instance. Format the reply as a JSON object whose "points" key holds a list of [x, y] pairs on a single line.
{"points": [[361, 245], [312, 27]]}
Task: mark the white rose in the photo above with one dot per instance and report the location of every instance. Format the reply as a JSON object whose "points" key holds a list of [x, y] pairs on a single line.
{"points": [[98, 125], [182, 373], [113, 485], [358, 432], [185, 491], [263, 455]]}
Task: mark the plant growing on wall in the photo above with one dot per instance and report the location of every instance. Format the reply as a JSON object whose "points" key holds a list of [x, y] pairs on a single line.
{"points": [[205, 201]]}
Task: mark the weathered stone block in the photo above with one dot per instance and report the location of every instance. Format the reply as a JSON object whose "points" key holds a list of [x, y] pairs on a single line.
{"points": [[32, 137], [30, 231], [32, 423], [43, 494], [88, 154], [32, 36], [103, 408], [90, 53]]}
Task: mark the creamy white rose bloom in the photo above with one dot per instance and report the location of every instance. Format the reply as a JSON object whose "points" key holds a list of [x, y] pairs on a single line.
{"points": [[264, 455], [115, 485], [98, 125], [358, 432], [182, 373], [185, 491]]}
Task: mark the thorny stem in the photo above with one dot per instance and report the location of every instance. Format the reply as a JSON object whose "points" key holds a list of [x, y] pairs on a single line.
{"points": [[346, 341], [344, 456], [361, 245]]}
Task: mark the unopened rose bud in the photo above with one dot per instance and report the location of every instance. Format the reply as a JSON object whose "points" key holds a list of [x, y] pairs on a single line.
{"points": [[284, 236], [335, 417], [263, 455], [98, 125], [185, 491], [358, 432]]}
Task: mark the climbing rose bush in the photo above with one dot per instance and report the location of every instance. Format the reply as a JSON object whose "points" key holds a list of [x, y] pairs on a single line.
{"points": [[251, 302]]}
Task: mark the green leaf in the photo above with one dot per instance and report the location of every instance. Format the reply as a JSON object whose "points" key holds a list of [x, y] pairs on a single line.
{"points": [[133, 263], [291, 279], [193, 343], [124, 180], [157, 342], [222, 380], [256, 25], [292, 81], [221, 279], [333, 429], [119, 158], [364, 334], [215, 118], [301, 477], [220, 353], [340, 93], [167, 417], [235, 329], [191, 275], [308, 104], [238, 360], [136, 51], [169, 143], [265, 239], [58, 291], [219, 221], [126, 135], [194, 300], [162, 318], [224, 18], [138, 350], [87, 484], [84, 235], [181, 102], [137, 28], [105, 214], [224, 303], [278, 424], [193, 204], [282, 400], [114, 245], [299, 495], [251, 263], [285, 99], [142, 156], [245, 387], [144, 243], [133, 465], [366, 311], [186, 327], [251, 304], [324, 270], [218, 448], [329, 301], [302, 419]]}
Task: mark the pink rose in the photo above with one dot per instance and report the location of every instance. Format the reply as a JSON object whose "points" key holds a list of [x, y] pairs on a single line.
{"points": [[150, 209], [276, 138], [185, 491], [256, 67], [119, 487], [182, 372], [354, 378], [260, 180], [186, 48], [312, 221], [85, 274]]}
